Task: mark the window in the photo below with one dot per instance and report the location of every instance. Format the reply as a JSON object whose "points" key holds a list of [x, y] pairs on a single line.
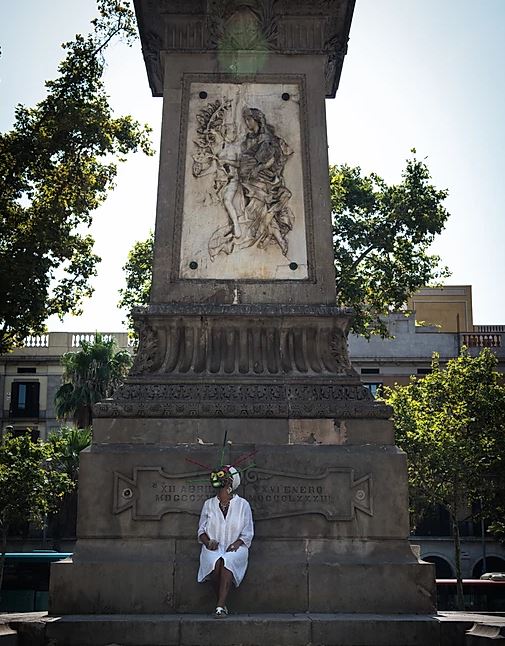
{"points": [[25, 399], [370, 371], [374, 388], [32, 431], [26, 371], [423, 371]]}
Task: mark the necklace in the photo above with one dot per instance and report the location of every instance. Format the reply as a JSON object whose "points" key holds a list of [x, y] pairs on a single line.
{"points": [[224, 505]]}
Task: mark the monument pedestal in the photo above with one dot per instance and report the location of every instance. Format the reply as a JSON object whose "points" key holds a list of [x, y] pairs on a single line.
{"points": [[331, 525]]}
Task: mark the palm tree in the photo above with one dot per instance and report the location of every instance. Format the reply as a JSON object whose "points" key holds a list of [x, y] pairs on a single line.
{"points": [[67, 444], [90, 375]]}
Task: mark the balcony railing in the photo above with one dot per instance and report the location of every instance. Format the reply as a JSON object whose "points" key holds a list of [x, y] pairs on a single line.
{"points": [[489, 328], [60, 342], [481, 340]]}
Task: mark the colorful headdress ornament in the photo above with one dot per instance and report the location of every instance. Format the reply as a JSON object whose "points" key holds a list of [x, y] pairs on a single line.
{"points": [[225, 474]]}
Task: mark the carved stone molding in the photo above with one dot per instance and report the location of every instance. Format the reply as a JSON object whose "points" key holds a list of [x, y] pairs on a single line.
{"points": [[297, 401], [232, 343], [283, 26], [335, 493]]}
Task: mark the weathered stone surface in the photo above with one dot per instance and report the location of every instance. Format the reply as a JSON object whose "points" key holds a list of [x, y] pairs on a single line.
{"points": [[210, 431], [220, 236], [365, 629], [8, 637], [198, 431], [152, 492], [294, 27], [169, 286], [242, 342], [388, 630], [164, 580]]}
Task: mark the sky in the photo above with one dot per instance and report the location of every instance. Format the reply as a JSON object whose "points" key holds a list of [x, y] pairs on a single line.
{"points": [[424, 74]]}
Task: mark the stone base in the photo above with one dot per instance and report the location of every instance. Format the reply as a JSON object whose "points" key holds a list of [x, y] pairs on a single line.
{"points": [[441, 629], [331, 527], [285, 576], [247, 630]]}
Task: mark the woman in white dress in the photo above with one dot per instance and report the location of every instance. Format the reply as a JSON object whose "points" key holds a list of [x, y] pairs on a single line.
{"points": [[225, 532]]}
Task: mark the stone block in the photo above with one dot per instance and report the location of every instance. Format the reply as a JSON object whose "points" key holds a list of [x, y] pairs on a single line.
{"points": [[95, 587], [374, 630], [8, 637], [297, 490], [246, 631], [364, 431], [119, 630], [200, 431], [383, 588]]}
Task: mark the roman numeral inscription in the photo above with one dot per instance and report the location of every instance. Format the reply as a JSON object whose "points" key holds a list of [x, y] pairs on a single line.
{"points": [[336, 494]]}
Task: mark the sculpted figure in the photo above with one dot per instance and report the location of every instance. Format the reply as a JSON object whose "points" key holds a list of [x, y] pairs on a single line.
{"points": [[261, 173], [248, 180]]}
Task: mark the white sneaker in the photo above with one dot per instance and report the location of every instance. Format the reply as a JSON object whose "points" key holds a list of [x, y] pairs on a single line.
{"points": [[221, 612]]}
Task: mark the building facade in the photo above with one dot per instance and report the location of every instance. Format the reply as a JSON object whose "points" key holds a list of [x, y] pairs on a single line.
{"points": [[31, 375]]}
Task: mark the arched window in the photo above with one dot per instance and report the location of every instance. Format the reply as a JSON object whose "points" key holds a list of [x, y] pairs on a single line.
{"points": [[443, 569], [493, 564]]}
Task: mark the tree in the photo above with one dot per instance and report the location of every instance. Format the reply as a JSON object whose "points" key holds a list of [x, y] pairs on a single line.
{"points": [[451, 423], [67, 444], [57, 165], [90, 375], [31, 485], [381, 235], [138, 275]]}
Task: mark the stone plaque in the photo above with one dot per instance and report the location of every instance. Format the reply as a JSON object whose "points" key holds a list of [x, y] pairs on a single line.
{"points": [[243, 212], [335, 493]]}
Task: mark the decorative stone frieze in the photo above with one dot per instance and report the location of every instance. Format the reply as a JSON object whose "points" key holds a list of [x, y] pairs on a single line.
{"points": [[228, 26]]}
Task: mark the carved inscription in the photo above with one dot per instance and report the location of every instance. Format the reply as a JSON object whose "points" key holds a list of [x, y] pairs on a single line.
{"points": [[335, 493]]}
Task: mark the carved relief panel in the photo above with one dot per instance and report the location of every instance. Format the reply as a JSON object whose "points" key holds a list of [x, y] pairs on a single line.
{"points": [[243, 207]]}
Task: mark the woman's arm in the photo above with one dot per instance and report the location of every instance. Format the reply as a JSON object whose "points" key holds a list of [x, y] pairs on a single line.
{"points": [[209, 543]]}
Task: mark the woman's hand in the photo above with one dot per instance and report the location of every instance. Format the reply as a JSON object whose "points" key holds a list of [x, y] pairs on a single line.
{"points": [[235, 545], [212, 545]]}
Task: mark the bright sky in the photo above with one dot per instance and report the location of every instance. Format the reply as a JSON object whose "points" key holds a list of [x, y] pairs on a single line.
{"points": [[419, 73]]}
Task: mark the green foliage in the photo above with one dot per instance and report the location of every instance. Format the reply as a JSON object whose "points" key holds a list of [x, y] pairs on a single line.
{"points": [[57, 165], [68, 442], [381, 235], [138, 274], [451, 423], [90, 375], [31, 484]]}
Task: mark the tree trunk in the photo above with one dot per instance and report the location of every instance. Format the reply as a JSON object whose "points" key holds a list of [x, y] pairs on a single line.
{"points": [[83, 416], [457, 559]]}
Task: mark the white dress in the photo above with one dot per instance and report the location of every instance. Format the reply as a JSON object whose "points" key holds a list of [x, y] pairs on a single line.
{"points": [[237, 524]]}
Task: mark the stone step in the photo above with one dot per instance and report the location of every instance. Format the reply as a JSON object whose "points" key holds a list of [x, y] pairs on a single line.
{"points": [[8, 637], [244, 630]]}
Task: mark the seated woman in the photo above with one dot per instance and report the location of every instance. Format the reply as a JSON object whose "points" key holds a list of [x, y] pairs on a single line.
{"points": [[225, 531]]}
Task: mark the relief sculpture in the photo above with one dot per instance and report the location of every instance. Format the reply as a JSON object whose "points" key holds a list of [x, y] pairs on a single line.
{"points": [[248, 177]]}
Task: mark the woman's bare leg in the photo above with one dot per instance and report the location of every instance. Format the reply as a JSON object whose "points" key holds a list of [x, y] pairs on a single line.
{"points": [[224, 586], [216, 577]]}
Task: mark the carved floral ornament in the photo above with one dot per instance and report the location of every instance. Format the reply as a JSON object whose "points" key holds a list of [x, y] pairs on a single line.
{"points": [[242, 24]]}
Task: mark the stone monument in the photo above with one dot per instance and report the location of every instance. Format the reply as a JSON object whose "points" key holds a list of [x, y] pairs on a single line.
{"points": [[242, 336]]}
